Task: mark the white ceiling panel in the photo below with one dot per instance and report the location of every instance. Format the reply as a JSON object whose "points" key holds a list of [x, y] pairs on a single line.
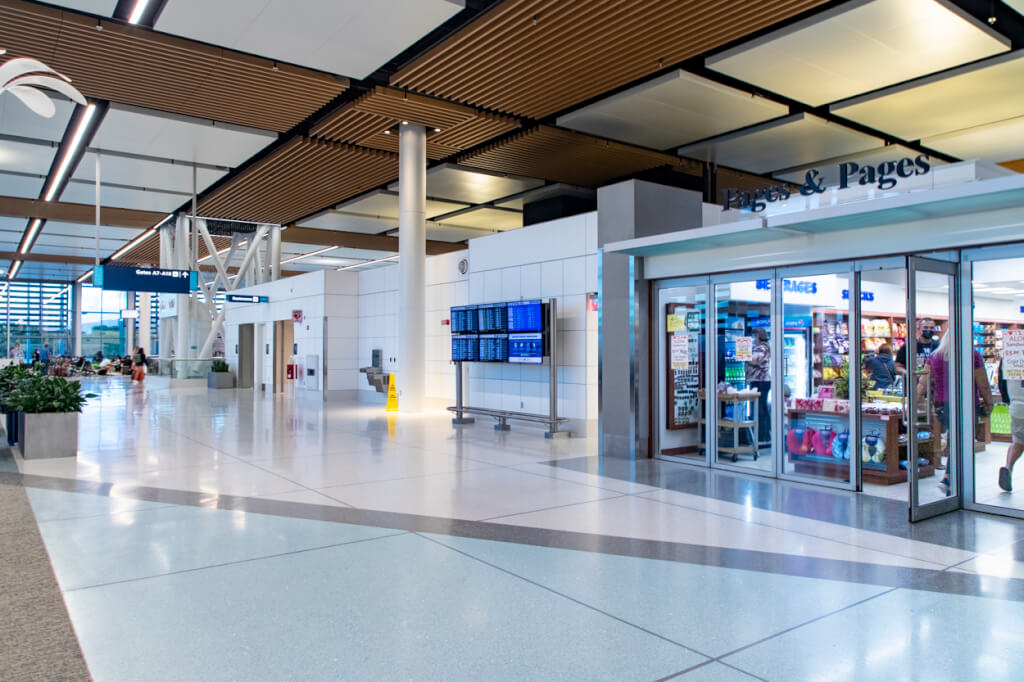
{"points": [[169, 136], [384, 204], [25, 157], [74, 246], [794, 141], [487, 218], [858, 47], [964, 98], [11, 224], [1016, 4], [102, 7], [17, 119], [22, 186], [143, 200], [85, 230], [671, 110], [347, 37], [346, 222], [49, 272], [159, 175], [450, 233], [455, 183], [1003, 141], [829, 168]]}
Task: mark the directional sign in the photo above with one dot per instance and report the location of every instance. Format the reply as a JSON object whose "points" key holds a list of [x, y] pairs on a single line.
{"points": [[243, 298], [119, 278]]}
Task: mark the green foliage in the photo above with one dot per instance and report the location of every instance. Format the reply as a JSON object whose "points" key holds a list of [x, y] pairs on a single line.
{"points": [[842, 384], [36, 393], [218, 366], [10, 377]]}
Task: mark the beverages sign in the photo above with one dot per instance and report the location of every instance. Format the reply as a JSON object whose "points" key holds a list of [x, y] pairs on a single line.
{"points": [[884, 176]]}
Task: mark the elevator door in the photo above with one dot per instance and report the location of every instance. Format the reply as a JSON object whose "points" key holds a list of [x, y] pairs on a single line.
{"points": [[245, 355]]}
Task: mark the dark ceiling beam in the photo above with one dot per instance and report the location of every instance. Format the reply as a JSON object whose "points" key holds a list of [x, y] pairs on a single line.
{"points": [[356, 240], [60, 211]]}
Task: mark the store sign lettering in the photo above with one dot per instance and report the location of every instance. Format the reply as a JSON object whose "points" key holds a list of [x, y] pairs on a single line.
{"points": [[791, 286], [864, 295], [885, 176]]}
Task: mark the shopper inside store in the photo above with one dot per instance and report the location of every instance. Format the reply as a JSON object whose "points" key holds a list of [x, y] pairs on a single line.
{"points": [[511, 340]]}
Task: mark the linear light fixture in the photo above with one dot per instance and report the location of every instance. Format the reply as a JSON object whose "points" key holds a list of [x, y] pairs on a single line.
{"points": [[219, 252], [136, 15], [368, 262], [57, 295], [307, 255], [76, 141], [13, 272], [30, 235], [141, 238], [84, 276]]}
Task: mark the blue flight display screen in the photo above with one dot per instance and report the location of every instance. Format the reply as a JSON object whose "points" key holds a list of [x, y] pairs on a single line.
{"points": [[525, 316], [494, 348], [464, 319], [465, 348], [492, 318], [526, 348]]}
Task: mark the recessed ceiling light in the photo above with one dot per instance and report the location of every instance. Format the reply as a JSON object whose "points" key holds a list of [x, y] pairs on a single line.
{"points": [[405, 123], [387, 132], [437, 130], [136, 15], [76, 140]]}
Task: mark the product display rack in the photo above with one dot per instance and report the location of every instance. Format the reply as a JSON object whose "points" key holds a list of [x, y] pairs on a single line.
{"points": [[738, 415]]}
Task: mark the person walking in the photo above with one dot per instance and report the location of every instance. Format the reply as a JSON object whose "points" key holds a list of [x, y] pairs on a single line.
{"points": [[44, 358], [138, 365], [18, 354], [1015, 392]]}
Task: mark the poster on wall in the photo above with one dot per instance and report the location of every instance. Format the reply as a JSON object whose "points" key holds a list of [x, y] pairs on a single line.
{"points": [[680, 348], [675, 323], [744, 348], [1013, 354]]}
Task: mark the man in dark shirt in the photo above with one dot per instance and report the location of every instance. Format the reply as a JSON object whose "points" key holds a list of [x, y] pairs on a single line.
{"points": [[926, 343]]}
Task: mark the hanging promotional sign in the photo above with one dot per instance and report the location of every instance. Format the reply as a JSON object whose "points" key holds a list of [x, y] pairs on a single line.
{"points": [[1013, 354]]}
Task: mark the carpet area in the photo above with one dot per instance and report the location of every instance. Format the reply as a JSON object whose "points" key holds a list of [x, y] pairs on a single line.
{"points": [[37, 641]]}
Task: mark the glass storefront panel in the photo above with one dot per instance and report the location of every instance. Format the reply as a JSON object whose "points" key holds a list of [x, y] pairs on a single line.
{"points": [[744, 395], [682, 368], [816, 319], [998, 353]]}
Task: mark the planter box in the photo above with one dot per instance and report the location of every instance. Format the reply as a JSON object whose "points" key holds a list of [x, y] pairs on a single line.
{"points": [[48, 434], [220, 380]]}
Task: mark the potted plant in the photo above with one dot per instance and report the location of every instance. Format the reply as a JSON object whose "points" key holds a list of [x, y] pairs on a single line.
{"points": [[48, 410], [842, 383], [220, 376], [11, 376]]}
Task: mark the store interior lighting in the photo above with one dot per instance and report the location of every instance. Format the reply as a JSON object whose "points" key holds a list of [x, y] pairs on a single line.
{"points": [[65, 162]]}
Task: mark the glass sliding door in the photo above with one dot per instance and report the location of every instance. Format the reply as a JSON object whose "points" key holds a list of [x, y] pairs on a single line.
{"points": [[933, 391], [742, 416], [681, 370], [817, 374]]}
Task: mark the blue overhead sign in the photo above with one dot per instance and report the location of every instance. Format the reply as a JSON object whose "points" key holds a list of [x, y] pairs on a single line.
{"points": [[243, 298], [157, 280]]}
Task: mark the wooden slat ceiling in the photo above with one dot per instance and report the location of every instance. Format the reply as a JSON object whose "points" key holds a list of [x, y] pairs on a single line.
{"points": [[148, 252], [301, 177], [537, 57], [17, 207], [364, 120], [570, 157], [136, 66]]}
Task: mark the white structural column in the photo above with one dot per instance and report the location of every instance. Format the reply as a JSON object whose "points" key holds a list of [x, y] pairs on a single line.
{"points": [[166, 261], [129, 325], [181, 253], [412, 257], [76, 318], [145, 332], [275, 253]]}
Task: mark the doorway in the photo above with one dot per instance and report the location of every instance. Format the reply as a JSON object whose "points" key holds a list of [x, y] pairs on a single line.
{"points": [[284, 342], [246, 355]]}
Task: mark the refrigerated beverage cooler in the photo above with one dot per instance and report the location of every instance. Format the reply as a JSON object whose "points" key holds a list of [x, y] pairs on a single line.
{"points": [[796, 362]]}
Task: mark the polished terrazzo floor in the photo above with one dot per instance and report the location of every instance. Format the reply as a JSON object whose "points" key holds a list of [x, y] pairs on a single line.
{"points": [[221, 536]]}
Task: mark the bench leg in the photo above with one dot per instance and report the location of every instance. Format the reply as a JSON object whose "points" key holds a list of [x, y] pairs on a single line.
{"points": [[459, 421], [553, 432], [502, 424]]}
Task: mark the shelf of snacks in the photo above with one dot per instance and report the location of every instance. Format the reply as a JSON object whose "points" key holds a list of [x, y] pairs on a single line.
{"points": [[826, 450]]}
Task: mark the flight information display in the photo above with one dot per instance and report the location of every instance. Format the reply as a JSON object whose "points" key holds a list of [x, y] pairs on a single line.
{"points": [[464, 319], [492, 318], [465, 348], [525, 316], [526, 348], [494, 348]]}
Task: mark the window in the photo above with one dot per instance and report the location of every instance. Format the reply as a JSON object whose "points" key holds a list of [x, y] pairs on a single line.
{"points": [[102, 329], [34, 313]]}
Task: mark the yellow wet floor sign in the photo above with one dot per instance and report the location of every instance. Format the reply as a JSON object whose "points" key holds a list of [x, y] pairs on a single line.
{"points": [[392, 394]]}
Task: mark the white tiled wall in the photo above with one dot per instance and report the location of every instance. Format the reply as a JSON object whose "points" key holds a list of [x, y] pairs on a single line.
{"points": [[325, 294], [555, 260]]}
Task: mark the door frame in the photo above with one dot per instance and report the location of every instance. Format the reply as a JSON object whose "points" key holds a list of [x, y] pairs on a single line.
{"points": [[954, 464]]}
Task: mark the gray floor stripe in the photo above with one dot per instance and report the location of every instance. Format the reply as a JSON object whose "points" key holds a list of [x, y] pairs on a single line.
{"points": [[784, 564]]}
